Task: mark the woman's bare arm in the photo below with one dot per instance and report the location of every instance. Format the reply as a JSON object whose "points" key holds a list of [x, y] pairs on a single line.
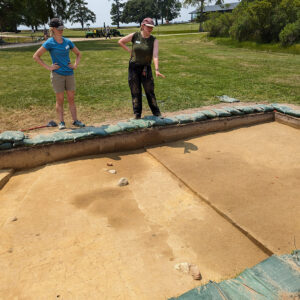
{"points": [[124, 40], [155, 60], [37, 57], [78, 57]]}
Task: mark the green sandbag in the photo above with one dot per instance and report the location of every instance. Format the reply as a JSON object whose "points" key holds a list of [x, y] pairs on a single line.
{"points": [[265, 107], [222, 113], [209, 114], [127, 126], [141, 123], [281, 108], [110, 129], [157, 120], [257, 108], [245, 109], [38, 140], [6, 146], [18, 143], [184, 118], [198, 116], [233, 111], [89, 131], [294, 113], [12, 136], [162, 121]]}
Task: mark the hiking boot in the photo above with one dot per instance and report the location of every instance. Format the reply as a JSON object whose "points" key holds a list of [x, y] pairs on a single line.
{"points": [[77, 123], [61, 125], [137, 117]]}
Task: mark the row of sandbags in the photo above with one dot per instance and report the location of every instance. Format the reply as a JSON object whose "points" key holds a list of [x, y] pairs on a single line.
{"points": [[12, 139]]}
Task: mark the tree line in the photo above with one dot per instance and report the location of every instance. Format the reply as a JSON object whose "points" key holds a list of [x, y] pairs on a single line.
{"points": [[35, 13], [134, 11], [263, 21]]}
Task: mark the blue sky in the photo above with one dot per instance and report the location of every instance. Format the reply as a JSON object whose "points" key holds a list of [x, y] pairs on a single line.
{"points": [[102, 10]]}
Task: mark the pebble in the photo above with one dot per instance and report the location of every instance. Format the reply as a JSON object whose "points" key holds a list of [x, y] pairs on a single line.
{"points": [[123, 181], [112, 171], [188, 268], [110, 164]]}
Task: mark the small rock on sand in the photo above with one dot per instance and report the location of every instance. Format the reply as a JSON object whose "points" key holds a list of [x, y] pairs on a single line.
{"points": [[123, 181], [188, 268], [112, 171], [110, 164]]}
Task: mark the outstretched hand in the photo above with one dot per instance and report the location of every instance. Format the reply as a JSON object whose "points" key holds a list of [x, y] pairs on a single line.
{"points": [[158, 74]]}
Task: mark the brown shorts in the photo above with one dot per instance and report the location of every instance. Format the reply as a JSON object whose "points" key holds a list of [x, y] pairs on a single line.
{"points": [[61, 83]]}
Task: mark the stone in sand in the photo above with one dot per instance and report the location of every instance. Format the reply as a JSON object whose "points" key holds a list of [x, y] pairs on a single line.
{"points": [[123, 181]]}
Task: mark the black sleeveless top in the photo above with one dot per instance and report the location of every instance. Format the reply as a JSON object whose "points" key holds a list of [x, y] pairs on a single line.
{"points": [[142, 49]]}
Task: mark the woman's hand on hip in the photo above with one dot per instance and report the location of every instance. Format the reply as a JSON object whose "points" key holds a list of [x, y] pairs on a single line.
{"points": [[158, 74], [54, 67], [71, 66]]}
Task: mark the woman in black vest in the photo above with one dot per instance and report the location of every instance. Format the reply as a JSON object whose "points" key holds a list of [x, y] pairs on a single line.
{"points": [[144, 48]]}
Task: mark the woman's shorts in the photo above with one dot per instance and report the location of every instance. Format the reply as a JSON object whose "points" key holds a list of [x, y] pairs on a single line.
{"points": [[61, 83]]}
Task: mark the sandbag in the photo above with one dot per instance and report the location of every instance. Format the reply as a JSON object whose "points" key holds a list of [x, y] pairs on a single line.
{"points": [[294, 113], [89, 131], [184, 118], [233, 111], [162, 121], [265, 107], [222, 113], [12, 136], [141, 123], [110, 129], [209, 114], [245, 109], [281, 108], [127, 126], [198, 116], [257, 108], [227, 99], [6, 146], [39, 140]]}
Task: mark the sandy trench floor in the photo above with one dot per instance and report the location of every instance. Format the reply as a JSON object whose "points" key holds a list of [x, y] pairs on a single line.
{"points": [[69, 232]]}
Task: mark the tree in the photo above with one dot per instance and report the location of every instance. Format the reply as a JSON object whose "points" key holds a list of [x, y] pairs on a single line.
{"points": [[10, 14], [35, 13], [116, 12], [57, 8], [136, 10], [79, 13], [200, 4], [169, 9]]}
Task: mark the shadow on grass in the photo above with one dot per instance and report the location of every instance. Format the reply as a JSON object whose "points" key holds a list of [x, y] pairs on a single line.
{"points": [[82, 46]]}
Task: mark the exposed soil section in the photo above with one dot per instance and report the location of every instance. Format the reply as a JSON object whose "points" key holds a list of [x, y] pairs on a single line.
{"points": [[68, 229], [251, 174]]}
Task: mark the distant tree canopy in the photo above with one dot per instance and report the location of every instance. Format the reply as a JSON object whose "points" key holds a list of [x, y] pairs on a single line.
{"points": [[79, 13], [34, 13], [134, 11], [116, 12], [260, 21]]}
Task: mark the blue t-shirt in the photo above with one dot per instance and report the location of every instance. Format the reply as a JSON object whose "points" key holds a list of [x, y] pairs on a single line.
{"points": [[60, 54]]}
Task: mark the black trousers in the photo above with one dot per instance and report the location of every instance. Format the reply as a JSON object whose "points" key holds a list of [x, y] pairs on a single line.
{"points": [[139, 75]]}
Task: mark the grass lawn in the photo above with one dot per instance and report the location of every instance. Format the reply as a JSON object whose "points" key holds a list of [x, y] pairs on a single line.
{"points": [[196, 68]]}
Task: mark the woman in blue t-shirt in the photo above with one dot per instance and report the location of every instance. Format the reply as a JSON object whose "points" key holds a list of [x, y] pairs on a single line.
{"points": [[62, 75]]}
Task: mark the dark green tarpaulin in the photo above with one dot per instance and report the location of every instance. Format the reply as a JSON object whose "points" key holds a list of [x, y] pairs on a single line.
{"points": [[11, 136], [274, 278]]}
